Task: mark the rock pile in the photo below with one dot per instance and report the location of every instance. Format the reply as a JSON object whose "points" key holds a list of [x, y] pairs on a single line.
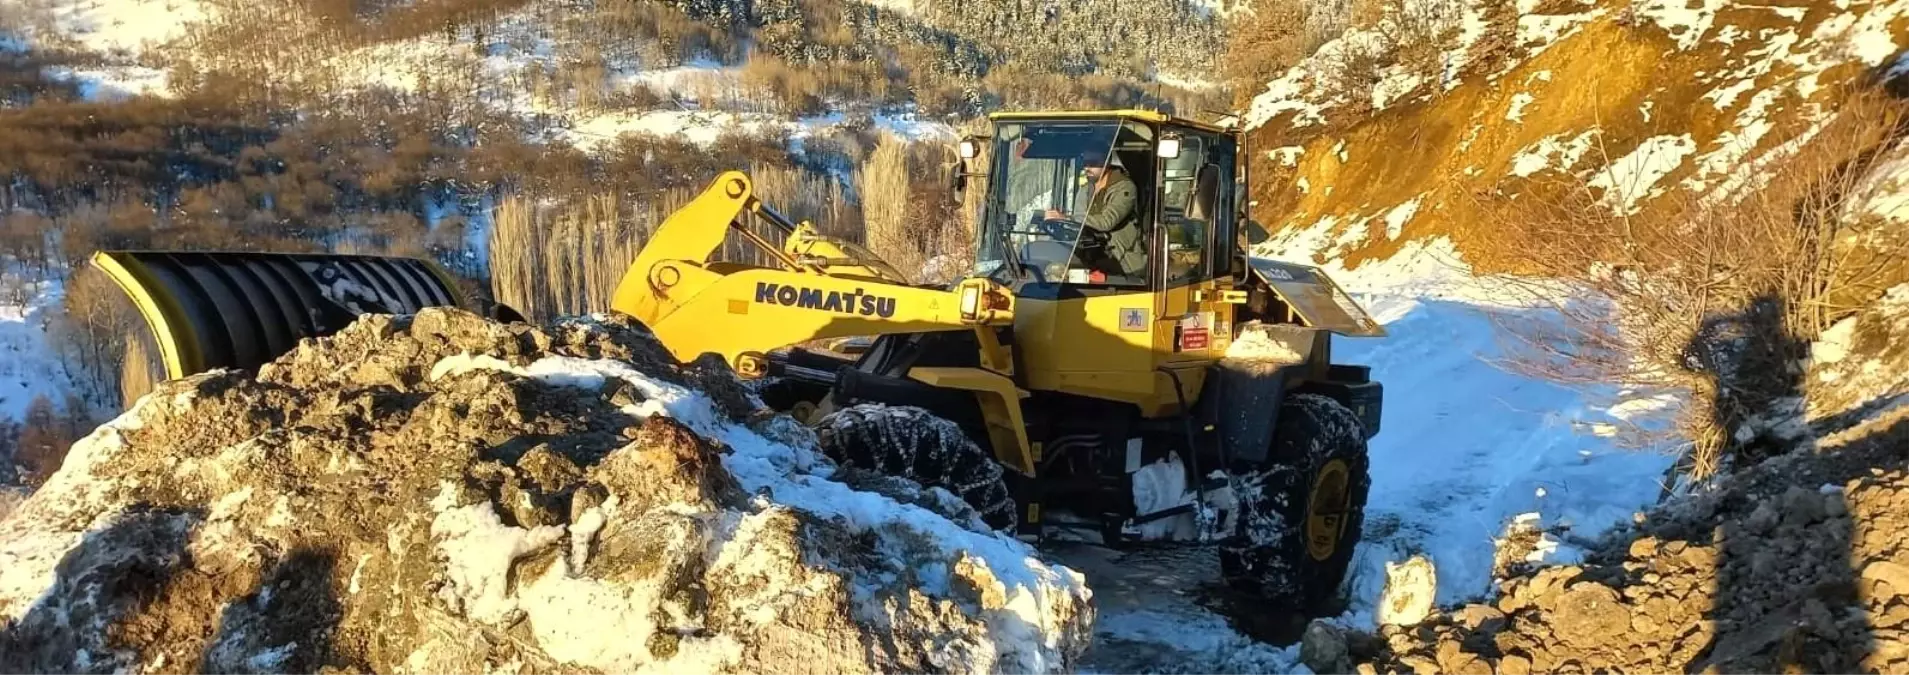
{"points": [[440, 493], [1799, 565]]}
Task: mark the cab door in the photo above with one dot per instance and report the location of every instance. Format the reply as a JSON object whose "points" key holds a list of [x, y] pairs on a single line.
{"points": [[1194, 242]]}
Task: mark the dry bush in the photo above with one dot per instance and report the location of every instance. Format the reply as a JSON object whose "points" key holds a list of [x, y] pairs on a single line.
{"points": [[45, 434], [551, 260], [914, 218], [1420, 32], [92, 332], [1347, 69], [1717, 295], [886, 202], [140, 369], [1263, 41]]}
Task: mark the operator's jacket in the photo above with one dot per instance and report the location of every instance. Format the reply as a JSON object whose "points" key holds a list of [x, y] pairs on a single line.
{"points": [[1114, 211]]}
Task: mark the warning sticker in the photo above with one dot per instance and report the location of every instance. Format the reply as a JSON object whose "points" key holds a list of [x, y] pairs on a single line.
{"points": [[1196, 331], [1194, 338]]}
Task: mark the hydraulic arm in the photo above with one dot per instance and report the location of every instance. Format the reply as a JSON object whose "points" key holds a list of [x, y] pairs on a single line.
{"points": [[820, 288]]}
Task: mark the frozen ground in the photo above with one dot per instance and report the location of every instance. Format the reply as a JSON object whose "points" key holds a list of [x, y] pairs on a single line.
{"points": [[28, 364], [1466, 447]]}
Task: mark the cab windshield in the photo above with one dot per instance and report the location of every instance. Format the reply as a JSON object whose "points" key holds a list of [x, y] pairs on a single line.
{"points": [[1042, 186]]}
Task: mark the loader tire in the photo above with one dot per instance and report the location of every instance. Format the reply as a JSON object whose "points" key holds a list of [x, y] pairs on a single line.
{"points": [[1301, 517], [909, 442]]}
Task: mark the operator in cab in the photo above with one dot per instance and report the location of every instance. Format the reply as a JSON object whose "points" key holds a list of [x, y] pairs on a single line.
{"points": [[1112, 213]]}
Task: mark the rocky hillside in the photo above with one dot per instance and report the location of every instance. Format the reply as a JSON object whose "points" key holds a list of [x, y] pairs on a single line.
{"points": [[443, 494], [1387, 136], [1794, 566]]}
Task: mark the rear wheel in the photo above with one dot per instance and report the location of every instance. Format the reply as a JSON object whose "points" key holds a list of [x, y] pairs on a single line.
{"points": [[909, 442], [1301, 516]]}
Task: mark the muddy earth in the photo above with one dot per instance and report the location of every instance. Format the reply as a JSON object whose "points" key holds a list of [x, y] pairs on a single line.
{"points": [[440, 493]]}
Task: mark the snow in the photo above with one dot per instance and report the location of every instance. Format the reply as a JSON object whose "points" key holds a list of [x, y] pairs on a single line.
{"points": [[1539, 156], [1396, 219], [113, 83], [1286, 95], [1686, 20], [1887, 188], [1633, 178], [1393, 86], [1544, 30], [1727, 96], [123, 27], [1518, 103], [30, 552], [30, 365], [1833, 344], [478, 549], [1287, 155], [1216, 645], [1450, 469], [704, 127]]}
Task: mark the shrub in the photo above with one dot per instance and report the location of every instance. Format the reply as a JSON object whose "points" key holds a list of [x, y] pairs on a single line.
{"points": [[1716, 294]]}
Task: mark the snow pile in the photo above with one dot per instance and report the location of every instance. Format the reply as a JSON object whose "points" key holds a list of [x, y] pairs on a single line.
{"points": [[442, 493]]}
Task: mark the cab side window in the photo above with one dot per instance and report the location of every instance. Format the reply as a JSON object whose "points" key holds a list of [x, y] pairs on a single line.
{"points": [[1190, 190]]}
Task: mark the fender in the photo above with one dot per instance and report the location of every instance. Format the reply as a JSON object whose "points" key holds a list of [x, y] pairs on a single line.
{"points": [[1240, 400], [1000, 403]]}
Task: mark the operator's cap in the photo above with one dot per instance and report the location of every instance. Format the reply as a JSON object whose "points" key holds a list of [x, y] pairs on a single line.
{"points": [[1094, 155]]}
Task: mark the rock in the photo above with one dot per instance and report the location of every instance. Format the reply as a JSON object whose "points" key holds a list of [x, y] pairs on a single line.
{"points": [[1410, 588], [1644, 548], [1367, 669], [1323, 648], [1802, 506], [431, 494], [1514, 665], [1894, 574], [1483, 618]]}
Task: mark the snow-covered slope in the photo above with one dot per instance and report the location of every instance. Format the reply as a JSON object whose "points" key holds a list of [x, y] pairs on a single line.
{"points": [[122, 37], [29, 364]]}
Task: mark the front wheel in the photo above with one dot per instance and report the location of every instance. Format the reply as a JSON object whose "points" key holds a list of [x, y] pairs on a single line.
{"points": [[912, 443], [1301, 516]]}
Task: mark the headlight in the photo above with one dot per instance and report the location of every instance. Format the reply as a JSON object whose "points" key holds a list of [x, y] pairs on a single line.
{"points": [[970, 303]]}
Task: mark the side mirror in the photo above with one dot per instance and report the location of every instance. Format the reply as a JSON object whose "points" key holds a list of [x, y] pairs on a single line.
{"points": [[958, 177]]}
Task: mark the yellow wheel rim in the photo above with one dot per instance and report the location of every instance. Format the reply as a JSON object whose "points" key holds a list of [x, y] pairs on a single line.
{"points": [[1326, 506]]}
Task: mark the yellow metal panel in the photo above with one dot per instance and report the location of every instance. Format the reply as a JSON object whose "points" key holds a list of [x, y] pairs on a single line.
{"points": [[1000, 403], [1100, 346], [690, 234], [1130, 113], [178, 347], [785, 308]]}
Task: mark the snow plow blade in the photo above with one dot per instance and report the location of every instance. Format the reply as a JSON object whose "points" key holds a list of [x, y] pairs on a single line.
{"points": [[241, 310]]}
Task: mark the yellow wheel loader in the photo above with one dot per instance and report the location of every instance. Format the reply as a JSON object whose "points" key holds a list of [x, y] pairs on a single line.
{"points": [[1116, 363]]}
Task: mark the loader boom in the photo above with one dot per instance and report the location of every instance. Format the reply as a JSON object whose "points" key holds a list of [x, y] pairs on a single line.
{"points": [[820, 289]]}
